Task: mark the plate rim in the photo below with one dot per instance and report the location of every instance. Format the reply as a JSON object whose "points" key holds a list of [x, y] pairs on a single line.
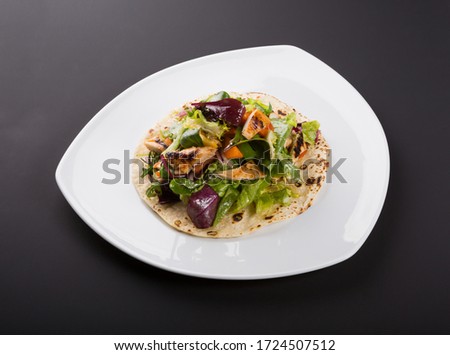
{"points": [[104, 233]]}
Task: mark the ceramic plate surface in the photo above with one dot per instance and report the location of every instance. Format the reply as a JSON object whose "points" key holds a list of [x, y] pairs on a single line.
{"points": [[332, 230]]}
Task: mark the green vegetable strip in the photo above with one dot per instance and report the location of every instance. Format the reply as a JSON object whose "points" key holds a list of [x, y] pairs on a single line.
{"points": [[271, 140], [176, 141], [256, 138], [246, 150], [225, 204], [237, 136], [164, 173]]}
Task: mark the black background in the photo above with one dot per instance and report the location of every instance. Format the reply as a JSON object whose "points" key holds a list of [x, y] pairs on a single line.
{"points": [[62, 61]]}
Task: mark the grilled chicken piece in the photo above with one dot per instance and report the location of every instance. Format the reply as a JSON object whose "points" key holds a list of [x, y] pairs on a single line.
{"points": [[157, 165], [156, 171], [155, 145], [194, 158], [299, 149], [248, 171], [288, 142], [257, 122]]}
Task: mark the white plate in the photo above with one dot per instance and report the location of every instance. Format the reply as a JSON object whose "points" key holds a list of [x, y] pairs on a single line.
{"points": [[332, 230]]}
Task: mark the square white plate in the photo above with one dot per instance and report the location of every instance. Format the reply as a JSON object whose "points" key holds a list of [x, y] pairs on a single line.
{"points": [[332, 230]]}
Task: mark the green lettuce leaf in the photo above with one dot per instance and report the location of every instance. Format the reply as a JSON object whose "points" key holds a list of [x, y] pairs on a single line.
{"points": [[214, 167], [285, 168], [172, 131], [198, 120], [283, 129], [247, 151], [153, 190], [185, 187], [220, 186], [291, 119], [191, 138], [248, 194], [244, 101], [225, 203], [218, 96], [252, 103], [274, 195], [153, 157], [147, 171], [164, 174], [176, 139], [264, 204], [309, 131]]}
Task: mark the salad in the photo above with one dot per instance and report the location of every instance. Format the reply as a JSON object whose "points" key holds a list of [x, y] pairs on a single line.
{"points": [[231, 154]]}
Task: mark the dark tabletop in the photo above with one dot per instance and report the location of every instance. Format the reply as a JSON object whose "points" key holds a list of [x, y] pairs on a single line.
{"points": [[62, 61]]}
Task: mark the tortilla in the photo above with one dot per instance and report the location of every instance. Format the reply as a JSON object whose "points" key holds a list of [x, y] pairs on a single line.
{"points": [[248, 221]]}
